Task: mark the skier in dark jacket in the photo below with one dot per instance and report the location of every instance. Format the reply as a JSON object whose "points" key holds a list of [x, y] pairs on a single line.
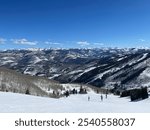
{"points": [[101, 97]]}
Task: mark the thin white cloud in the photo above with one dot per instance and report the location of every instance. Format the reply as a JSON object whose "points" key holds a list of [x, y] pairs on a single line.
{"points": [[98, 44], [2, 41], [52, 43], [142, 40], [83, 43], [24, 41]]}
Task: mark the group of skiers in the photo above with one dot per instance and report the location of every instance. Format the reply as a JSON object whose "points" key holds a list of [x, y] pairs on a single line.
{"points": [[101, 97], [83, 91]]}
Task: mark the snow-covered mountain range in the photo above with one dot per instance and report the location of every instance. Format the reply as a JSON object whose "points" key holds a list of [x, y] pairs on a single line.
{"points": [[98, 67]]}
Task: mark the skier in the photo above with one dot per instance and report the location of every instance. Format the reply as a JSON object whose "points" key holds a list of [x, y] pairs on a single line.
{"points": [[106, 95], [101, 97], [88, 98]]}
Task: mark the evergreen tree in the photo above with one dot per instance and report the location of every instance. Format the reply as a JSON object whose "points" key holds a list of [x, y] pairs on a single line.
{"points": [[27, 92]]}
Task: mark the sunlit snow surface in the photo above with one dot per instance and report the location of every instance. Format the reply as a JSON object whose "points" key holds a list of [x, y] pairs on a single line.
{"points": [[12, 102]]}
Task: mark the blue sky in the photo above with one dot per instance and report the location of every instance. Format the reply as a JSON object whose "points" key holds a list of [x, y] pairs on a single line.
{"points": [[74, 23]]}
